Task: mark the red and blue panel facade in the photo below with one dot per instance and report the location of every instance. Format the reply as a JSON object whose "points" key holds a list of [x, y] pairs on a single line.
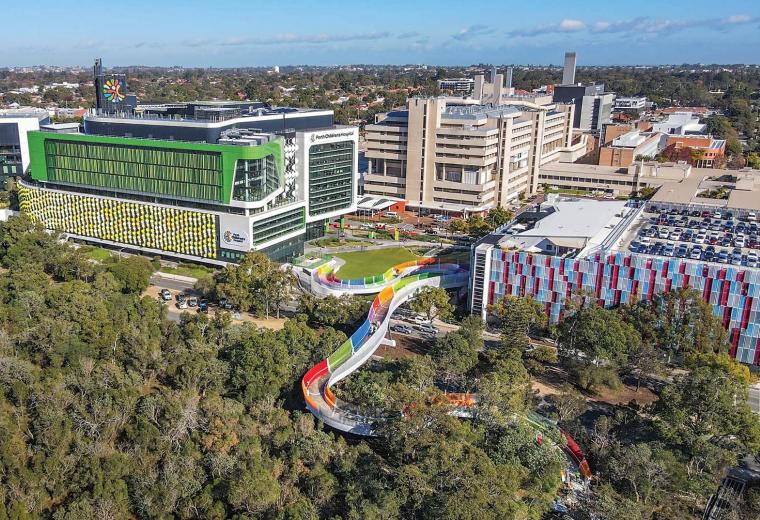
{"points": [[619, 278]]}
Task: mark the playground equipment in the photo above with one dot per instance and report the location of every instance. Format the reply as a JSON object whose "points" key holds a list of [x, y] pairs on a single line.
{"points": [[396, 286]]}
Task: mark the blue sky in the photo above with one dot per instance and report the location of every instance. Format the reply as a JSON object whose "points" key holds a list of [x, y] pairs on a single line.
{"points": [[230, 33]]}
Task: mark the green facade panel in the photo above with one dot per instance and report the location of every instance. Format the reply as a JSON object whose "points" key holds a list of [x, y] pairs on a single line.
{"points": [[167, 229], [184, 170]]}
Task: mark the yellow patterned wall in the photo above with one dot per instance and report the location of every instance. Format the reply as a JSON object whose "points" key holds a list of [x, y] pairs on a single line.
{"points": [[167, 229]]}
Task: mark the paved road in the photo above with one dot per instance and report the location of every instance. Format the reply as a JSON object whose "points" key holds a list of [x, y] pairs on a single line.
{"points": [[171, 283], [754, 398]]}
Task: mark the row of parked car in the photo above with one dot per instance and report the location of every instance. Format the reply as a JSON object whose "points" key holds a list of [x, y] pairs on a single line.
{"points": [[708, 253], [186, 301], [750, 216], [701, 235], [419, 323]]}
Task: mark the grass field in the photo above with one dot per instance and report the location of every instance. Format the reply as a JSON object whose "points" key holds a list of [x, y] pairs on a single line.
{"points": [[98, 254], [369, 263]]}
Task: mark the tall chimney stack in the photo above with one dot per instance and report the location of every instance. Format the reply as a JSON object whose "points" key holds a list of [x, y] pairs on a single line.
{"points": [[509, 77], [568, 75]]}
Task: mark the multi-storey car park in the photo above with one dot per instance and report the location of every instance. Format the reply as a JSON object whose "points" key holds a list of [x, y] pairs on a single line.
{"points": [[199, 181], [621, 252]]}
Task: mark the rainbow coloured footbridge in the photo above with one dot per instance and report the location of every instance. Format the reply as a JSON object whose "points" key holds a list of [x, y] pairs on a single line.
{"points": [[394, 287]]}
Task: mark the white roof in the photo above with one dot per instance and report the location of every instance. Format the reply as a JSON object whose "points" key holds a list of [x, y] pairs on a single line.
{"points": [[376, 203], [577, 218]]}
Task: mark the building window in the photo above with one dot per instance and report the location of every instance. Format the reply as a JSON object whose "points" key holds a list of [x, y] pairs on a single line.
{"points": [[255, 179], [331, 177], [277, 226]]}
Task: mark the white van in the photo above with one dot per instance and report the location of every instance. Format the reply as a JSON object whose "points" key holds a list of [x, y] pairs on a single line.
{"points": [[391, 214]]}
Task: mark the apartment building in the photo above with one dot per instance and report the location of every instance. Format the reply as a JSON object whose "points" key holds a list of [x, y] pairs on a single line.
{"points": [[461, 156]]}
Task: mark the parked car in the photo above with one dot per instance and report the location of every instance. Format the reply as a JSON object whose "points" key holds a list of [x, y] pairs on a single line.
{"points": [[224, 303], [427, 329], [203, 305], [182, 304], [401, 329], [165, 294], [192, 301]]}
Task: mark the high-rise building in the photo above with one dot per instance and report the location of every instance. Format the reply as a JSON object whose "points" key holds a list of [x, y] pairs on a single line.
{"points": [[593, 106], [568, 73], [201, 181], [459, 156]]}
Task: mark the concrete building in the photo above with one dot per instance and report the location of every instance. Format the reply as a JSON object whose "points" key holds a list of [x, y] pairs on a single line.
{"points": [[566, 247], [626, 148], [457, 86], [688, 141], [680, 123], [14, 149], [459, 156], [700, 150], [203, 181], [490, 90], [593, 106], [568, 72], [631, 105], [612, 181]]}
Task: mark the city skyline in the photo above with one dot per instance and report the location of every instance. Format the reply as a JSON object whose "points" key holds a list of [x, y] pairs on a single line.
{"points": [[198, 34]]}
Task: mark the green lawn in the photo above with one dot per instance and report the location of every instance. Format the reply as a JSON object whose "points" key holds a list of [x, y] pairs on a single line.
{"points": [[369, 263], [98, 254]]}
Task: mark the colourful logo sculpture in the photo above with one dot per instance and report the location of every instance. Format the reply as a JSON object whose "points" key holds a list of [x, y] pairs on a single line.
{"points": [[112, 91]]}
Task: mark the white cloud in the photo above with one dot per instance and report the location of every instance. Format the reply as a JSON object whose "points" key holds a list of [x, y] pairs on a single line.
{"points": [[638, 25], [571, 25], [738, 19], [292, 38], [473, 31]]}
